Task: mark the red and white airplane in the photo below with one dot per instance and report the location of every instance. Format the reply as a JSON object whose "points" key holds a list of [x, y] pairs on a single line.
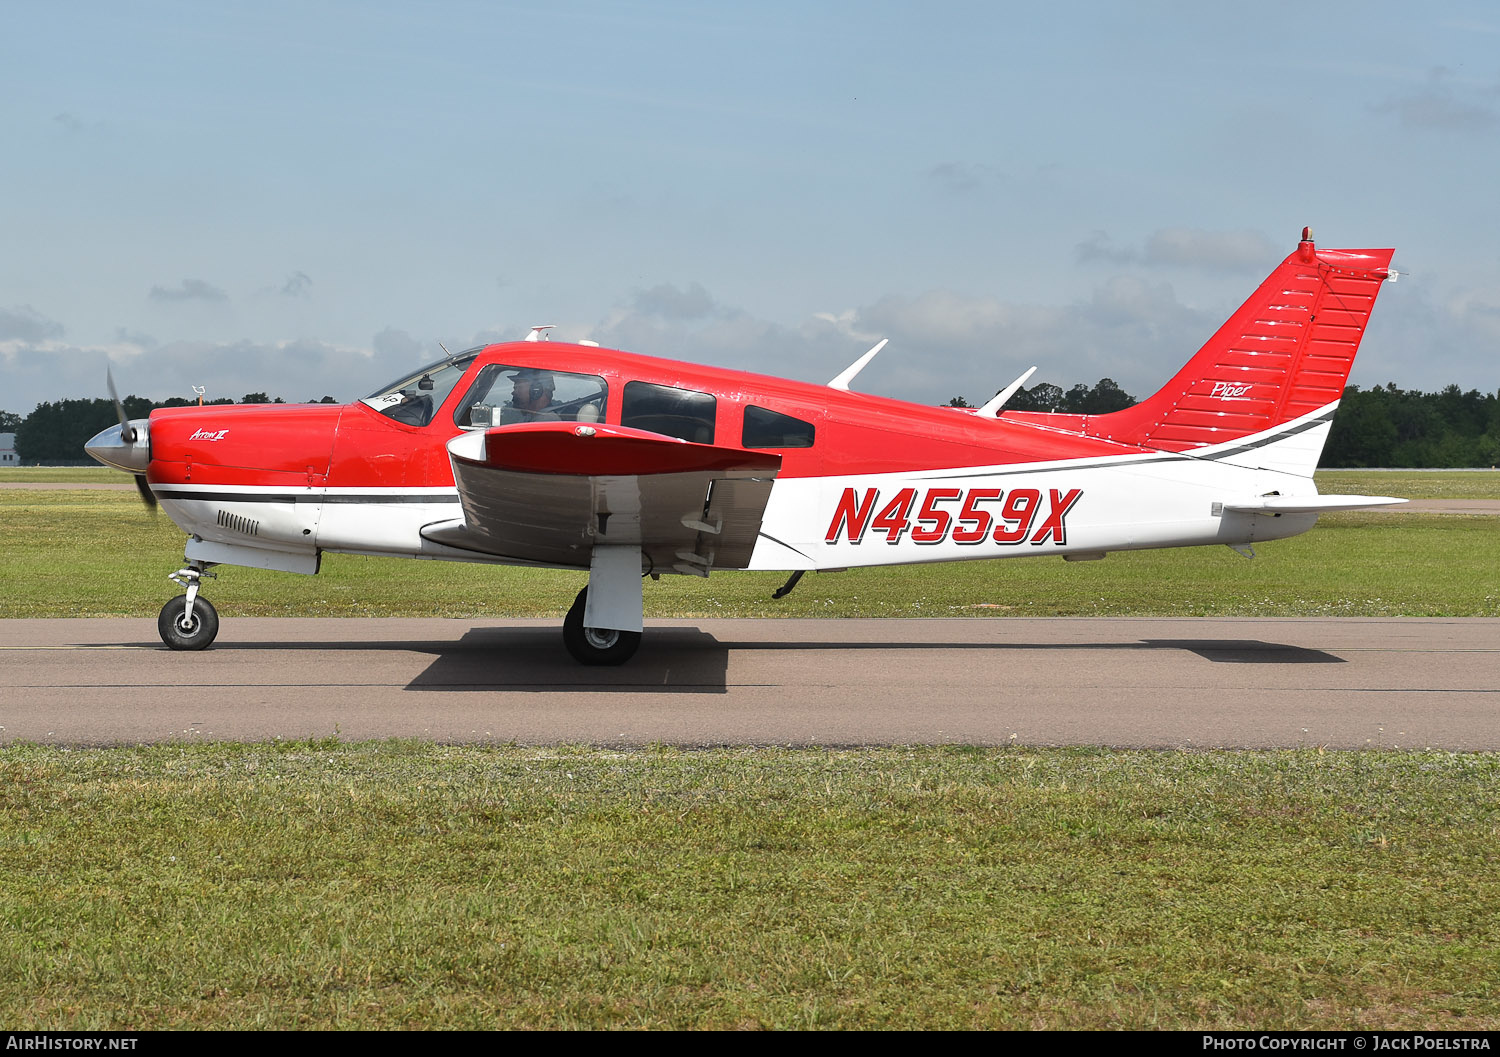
{"points": [[578, 457]]}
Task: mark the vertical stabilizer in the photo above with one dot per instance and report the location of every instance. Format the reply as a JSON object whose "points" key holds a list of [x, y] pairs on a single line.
{"points": [[1285, 354]]}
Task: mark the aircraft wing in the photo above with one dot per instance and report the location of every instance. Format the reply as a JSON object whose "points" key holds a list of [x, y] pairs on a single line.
{"points": [[549, 492]]}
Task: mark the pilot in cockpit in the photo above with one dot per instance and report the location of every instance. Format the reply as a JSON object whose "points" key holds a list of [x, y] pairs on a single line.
{"points": [[532, 396]]}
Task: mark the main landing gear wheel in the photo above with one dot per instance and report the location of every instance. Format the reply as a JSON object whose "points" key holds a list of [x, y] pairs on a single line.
{"points": [[181, 632], [596, 645]]}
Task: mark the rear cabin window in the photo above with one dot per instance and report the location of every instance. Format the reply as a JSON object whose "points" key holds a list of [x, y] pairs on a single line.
{"points": [[684, 413], [772, 429]]}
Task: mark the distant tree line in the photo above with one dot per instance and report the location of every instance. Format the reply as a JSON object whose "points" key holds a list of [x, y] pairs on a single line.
{"points": [[1384, 426], [1387, 426], [1103, 398], [56, 432]]}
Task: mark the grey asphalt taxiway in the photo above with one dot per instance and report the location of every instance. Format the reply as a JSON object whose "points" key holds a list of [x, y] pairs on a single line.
{"points": [[1261, 683]]}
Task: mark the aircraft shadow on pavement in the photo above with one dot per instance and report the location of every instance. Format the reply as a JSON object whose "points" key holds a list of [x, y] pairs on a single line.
{"points": [[1246, 651], [1230, 651], [680, 660], [689, 660], [686, 660]]}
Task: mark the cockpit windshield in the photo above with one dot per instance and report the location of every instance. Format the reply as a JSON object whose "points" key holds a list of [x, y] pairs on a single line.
{"points": [[415, 399]]}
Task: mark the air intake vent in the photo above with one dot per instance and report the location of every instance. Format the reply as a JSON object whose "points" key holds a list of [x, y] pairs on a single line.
{"points": [[238, 524]]}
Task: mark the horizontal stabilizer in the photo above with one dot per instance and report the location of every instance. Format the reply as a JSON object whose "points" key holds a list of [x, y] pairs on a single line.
{"points": [[1308, 504]]}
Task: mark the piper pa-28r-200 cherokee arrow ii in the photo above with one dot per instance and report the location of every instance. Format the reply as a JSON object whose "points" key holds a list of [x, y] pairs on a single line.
{"points": [[578, 457]]}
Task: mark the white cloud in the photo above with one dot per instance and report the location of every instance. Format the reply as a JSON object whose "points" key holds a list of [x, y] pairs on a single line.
{"points": [[75, 125], [1423, 342], [1215, 251], [963, 177], [48, 370], [945, 344], [942, 343], [1431, 109], [1219, 252], [295, 370], [1099, 247], [1444, 104], [1476, 314], [190, 290], [670, 302], [124, 336], [25, 323], [397, 346]]}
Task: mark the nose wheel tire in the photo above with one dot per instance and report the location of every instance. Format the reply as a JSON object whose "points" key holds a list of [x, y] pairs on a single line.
{"points": [[596, 645], [181, 632]]}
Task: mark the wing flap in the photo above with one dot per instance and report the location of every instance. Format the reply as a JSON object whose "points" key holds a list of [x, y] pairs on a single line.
{"points": [[549, 492]]}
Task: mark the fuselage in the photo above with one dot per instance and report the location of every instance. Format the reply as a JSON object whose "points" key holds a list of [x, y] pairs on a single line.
{"points": [[864, 480], [626, 466]]}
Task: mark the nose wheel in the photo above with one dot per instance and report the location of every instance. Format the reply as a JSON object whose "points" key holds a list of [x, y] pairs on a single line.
{"points": [[188, 622], [184, 629]]}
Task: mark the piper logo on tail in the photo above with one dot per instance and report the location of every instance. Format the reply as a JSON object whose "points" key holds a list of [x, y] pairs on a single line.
{"points": [[965, 516], [1228, 390]]}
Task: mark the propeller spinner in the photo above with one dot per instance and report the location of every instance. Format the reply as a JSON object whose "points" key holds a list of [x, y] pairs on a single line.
{"points": [[126, 446]]}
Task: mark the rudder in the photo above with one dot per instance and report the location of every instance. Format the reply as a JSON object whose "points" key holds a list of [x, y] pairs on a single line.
{"points": [[1285, 353]]}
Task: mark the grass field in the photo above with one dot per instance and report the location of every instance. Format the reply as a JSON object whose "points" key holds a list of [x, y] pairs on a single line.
{"points": [[97, 553], [94, 554], [384, 885], [61, 475], [396, 885], [1412, 484]]}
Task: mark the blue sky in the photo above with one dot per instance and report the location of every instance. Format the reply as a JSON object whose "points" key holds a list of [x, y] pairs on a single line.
{"points": [[305, 199]]}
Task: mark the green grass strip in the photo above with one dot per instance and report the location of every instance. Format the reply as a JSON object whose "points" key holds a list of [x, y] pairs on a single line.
{"points": [[384, 885], [91, 553], [1410, 484], [62, 475]]}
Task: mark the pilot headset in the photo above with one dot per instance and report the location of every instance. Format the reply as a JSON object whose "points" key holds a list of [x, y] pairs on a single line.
{"points": [[536, 386]]}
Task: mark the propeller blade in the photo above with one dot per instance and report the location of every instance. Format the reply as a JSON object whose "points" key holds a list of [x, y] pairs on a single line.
{"points": [[127, 431], [147, 496]]}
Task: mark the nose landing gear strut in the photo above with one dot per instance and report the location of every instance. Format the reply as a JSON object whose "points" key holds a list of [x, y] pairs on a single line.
{"points": [[189, 622]]}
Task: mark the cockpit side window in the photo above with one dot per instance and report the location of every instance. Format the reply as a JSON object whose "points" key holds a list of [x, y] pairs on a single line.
{"points": [[503, 395], [673, 412], [415, 400]]}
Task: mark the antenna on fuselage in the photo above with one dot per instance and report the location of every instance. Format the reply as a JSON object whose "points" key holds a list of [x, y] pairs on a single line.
{"points": [[843, 380], [995, 403], [446, 352], [540, 333]]}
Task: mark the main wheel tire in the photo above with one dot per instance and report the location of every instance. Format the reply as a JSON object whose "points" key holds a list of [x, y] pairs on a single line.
{"points": [[194, 634], [596, 645]]}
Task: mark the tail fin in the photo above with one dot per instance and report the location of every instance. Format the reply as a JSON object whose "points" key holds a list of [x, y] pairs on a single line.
{"points": [[1283, 356]]}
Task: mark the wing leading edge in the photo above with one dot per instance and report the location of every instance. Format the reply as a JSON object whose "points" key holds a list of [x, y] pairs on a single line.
{"points": [[549, 492]]}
